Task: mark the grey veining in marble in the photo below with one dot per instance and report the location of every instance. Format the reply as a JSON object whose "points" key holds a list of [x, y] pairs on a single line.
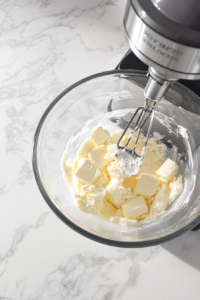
{"points": [[45, 46]]}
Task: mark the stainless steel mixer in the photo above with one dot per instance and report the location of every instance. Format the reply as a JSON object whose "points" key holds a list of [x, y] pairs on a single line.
{"points": [[177, 57], [165, 35]]}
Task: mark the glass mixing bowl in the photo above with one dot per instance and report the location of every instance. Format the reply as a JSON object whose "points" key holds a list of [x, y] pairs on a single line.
{"points": [[118, 92]]}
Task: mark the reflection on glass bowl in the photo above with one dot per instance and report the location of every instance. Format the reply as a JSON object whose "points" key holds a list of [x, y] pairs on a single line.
{"points": [[89, 99]]}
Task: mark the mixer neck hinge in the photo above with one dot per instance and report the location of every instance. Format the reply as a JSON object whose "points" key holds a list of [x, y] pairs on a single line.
{"points": [[156, 86]]}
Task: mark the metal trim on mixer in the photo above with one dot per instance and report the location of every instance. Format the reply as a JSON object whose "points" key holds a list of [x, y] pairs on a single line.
{"points": [[176, 60]]}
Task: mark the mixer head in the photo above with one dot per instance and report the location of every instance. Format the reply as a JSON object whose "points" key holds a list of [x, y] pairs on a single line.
{"points": [[164, 34]]}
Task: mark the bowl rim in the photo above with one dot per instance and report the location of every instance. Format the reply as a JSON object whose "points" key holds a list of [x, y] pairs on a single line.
{"points": [[59, 214]]}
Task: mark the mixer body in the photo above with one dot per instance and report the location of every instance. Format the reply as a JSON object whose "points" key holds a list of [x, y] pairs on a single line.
{"points": [[165, 35]]}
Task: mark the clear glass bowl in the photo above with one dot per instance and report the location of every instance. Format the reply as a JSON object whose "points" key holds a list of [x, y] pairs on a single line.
{"points": [[91, 98]]}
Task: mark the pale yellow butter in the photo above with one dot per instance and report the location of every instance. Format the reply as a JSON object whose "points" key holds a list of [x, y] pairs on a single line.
{"points": [[168, 170], [176, 188], [100, 180], [110, 152], [88, 188], [117, 194], [135, 208], [97, 157], [86, 147], [100, 135], [114, 191], [86, 171], [147, 185], [95, 200]]}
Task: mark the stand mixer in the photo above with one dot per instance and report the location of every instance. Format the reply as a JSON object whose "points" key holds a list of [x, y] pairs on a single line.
{"points": [[165, 35], [171, 49]]}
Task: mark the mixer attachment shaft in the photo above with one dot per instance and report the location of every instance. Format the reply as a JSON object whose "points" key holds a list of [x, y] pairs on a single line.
{"points": [[131, 159]]}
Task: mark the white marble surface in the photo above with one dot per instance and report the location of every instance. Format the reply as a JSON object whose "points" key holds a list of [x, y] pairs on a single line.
{"points": [[45, 46]]}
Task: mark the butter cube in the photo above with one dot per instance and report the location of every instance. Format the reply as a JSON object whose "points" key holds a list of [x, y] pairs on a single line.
{"points": [[86, 147], [134, 208], [100, 135], [101, 147], [168, 170], [96, 201], [146, 185], [97, 157], [114, 192], [130, 182], [86, 171]]}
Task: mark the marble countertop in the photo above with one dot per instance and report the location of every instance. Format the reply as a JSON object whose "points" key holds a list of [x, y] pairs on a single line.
{"points": [[46, 45]]}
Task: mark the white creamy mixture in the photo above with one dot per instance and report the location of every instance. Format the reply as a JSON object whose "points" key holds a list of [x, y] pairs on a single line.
{"points": [[101, 184]]}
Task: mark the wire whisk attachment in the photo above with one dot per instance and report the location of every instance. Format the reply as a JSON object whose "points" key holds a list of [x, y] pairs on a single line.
{"points": [[131, 159]]}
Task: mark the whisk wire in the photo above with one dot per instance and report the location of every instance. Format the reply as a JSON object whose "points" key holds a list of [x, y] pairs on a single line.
{"points": [[127, 126], [146, 112]]}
